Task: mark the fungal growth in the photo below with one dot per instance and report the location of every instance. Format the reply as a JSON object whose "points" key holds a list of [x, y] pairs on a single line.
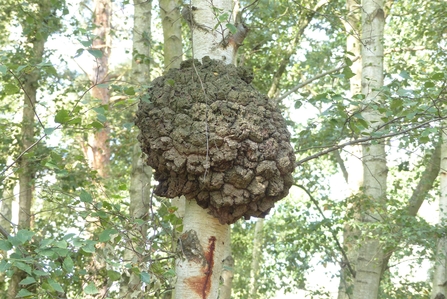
{"points": [[210, 136]]}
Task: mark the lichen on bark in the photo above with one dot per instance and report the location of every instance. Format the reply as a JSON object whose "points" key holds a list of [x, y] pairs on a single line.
{"points": [[210, 136]]}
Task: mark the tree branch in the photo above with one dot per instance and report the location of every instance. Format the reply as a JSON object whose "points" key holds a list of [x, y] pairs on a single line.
{"points": [[334, 236], [300, 85], [365, 139]]}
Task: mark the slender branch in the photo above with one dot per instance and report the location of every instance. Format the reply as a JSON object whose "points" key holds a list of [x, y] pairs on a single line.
{"points": [[300, 85], [426, 181], [28, 98], [342, 165], [4, 232], [365, 139], [334, 236]]}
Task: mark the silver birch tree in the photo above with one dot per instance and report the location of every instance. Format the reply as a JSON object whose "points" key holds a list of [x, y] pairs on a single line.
{"points": [[370, 253], [194, 279], [439, 289], [140, 177]]}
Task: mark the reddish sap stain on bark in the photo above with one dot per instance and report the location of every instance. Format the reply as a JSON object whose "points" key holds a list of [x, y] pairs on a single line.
{"points": [[202, 284]]}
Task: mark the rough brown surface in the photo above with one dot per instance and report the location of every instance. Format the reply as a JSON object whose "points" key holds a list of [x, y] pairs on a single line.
{"points": [[217, 140]]}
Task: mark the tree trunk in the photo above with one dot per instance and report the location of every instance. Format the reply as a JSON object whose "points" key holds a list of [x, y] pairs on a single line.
{"points": [[227, 272], [30, 86], [172, 33], [202, 243], [97, 149], [370, 257], [354, 166], [140, 177], [440, 275], [256, 256]]}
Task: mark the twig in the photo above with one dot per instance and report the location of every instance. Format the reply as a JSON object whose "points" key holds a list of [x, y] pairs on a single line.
{"points": [[300, 85], [334, 236], [365, 139], [28, 97]]}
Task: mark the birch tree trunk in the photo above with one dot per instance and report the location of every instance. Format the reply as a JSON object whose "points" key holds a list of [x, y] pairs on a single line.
{"points": [[172, 33], [440, 274], [354, 166], [256, 256], [370, 257], [202, 242], [30, 86], [140, 178]]}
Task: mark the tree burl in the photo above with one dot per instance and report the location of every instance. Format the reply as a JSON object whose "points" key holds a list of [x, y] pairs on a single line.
{"points": [[210, 136]]}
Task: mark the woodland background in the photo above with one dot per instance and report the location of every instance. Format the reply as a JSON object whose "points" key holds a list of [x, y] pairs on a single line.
{"points": [[72, 73]]}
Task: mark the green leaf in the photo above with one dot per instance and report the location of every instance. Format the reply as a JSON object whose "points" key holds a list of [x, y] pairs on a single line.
{"points": [[75, 121], [97, 125], [23, 293], [68, 264], [5, 245], [90, 289], [62, 116], [130, 91], [223, 17], [84, 196], [4, 265], [232, 28], [27, 281], [96, 53], [106, 235], [348, 73], [23, 236], [429, 84], [55, 285], [48, 131], [437, 76], [3, 69], [40, 273], [24, 267], [89, 247], [10, 89], [145, 277], [101, 118], [405, 75], [86, 43], [113, 275], [78, 53]]}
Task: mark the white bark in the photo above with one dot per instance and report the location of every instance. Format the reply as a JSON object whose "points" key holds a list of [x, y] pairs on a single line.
{"points": [[370, 257], [256, 256], [140, 178], [208, 41], [202, 243], [354, 165], [440, 275], [172, 33]]}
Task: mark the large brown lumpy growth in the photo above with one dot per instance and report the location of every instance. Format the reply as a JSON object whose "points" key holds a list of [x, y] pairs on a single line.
{"points": [[217, 140]]}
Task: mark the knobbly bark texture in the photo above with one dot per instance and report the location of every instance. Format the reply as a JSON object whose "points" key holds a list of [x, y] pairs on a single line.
{"points": [[215, 139], [439, 289], [370, 252]]}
